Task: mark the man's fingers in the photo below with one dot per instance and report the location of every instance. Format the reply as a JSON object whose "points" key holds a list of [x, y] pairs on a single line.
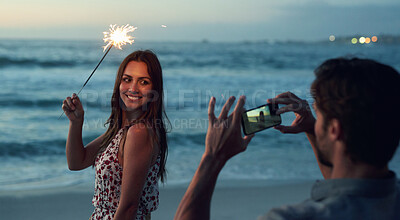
{"points": [[288, 108], [225, 110], [284, 101], [287, 129], [239, 108], [287, 95], [211, 107], [247, 139]]}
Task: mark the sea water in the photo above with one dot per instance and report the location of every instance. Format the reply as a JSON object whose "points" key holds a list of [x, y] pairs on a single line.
{"points": [[36, 75]]}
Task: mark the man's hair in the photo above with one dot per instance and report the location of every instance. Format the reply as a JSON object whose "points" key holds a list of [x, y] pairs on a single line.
{"points": [[363, 95]]}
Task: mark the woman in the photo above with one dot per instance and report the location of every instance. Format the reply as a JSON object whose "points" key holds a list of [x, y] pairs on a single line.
{"points": [[130, 156]]}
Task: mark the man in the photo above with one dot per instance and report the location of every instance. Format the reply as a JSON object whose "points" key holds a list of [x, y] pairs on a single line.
{"points": [[354, 137]]}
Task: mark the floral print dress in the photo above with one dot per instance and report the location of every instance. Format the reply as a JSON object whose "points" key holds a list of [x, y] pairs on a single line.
{"points": [[108, 182]]}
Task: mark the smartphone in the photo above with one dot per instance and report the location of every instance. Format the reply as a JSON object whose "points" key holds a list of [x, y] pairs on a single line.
{"points": [[260, 118]]}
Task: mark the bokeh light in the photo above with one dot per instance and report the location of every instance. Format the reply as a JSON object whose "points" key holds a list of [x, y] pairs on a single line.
{"points": [[362, 40], [374, 39], [367, 40], [332, 38], [354, 40]]}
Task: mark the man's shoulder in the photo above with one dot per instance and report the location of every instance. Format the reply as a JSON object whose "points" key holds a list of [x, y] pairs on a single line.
{"points": [[308, 209], [341, 206]]}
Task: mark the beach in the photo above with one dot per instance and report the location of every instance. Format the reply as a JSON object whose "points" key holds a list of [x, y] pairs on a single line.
{"points": [[276, 169], [234, 200]]}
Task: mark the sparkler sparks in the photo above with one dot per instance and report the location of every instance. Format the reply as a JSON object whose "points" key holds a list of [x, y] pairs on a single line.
{"points": [[118, 36]]}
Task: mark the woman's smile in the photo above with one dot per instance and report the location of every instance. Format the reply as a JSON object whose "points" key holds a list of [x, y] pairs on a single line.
{"points": [[133, 98]]}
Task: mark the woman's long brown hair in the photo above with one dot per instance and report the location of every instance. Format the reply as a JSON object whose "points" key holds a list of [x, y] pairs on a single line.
{"points": [[154, 115]]}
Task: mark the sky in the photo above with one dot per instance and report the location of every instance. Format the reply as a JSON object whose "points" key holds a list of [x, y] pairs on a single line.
{"points": [[188, 20]]}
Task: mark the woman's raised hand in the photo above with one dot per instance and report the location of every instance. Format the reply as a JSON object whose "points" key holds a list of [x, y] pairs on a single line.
{"points": [[73, 109]]}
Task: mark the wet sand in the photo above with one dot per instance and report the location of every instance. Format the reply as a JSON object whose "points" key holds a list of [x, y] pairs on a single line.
{"points": [[233, 200]]}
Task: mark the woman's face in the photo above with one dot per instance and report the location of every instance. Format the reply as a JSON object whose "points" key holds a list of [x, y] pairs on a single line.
{"points": [[136, 86]]}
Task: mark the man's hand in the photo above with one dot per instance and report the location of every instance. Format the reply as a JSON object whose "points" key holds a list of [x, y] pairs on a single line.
{"points": [[223, 141], [224, 138], [304, 121]]}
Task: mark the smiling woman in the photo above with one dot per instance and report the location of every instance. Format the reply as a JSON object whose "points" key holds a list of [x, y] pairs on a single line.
{"points": [[130, 156]]}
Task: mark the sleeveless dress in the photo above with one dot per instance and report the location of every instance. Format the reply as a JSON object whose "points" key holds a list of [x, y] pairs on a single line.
{"points": [[108, 182]]}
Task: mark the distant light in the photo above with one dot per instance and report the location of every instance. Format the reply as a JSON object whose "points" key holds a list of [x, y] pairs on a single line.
{"points": [[367, 40], [362, 40], [163, 26], [374, 39], [332, 38], [354, 40]]}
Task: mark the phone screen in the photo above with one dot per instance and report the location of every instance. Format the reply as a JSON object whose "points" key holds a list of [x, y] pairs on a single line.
{"points": [[260, 118]]}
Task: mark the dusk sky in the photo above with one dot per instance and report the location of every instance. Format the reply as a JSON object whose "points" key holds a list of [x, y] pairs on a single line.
{"points": [[215, 20]]}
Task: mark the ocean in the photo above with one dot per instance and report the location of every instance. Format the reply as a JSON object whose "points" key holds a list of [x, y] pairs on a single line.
{"points": [[36, 75]]}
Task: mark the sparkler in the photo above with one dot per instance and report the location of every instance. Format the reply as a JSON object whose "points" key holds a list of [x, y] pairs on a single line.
{"points": [[117, 37]]}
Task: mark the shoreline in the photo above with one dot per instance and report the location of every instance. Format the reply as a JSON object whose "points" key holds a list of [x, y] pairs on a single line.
{"points": [[231, 200]]}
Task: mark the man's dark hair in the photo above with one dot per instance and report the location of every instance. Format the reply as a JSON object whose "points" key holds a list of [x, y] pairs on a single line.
{"points": [[364, 96]]}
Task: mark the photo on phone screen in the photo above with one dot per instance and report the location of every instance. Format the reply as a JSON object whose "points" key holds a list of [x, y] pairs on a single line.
{"points": [[260, 118]]}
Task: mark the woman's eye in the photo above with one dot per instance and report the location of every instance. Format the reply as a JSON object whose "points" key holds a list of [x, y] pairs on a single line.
{"points": [[126, 79], [144, 82]]}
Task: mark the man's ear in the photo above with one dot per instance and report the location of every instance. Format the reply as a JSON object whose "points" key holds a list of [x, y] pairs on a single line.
{"points": [[334, 130]]}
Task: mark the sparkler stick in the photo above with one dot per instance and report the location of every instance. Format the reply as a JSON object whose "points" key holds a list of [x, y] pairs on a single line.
{"points": [[117, 37], [95, 69]]}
